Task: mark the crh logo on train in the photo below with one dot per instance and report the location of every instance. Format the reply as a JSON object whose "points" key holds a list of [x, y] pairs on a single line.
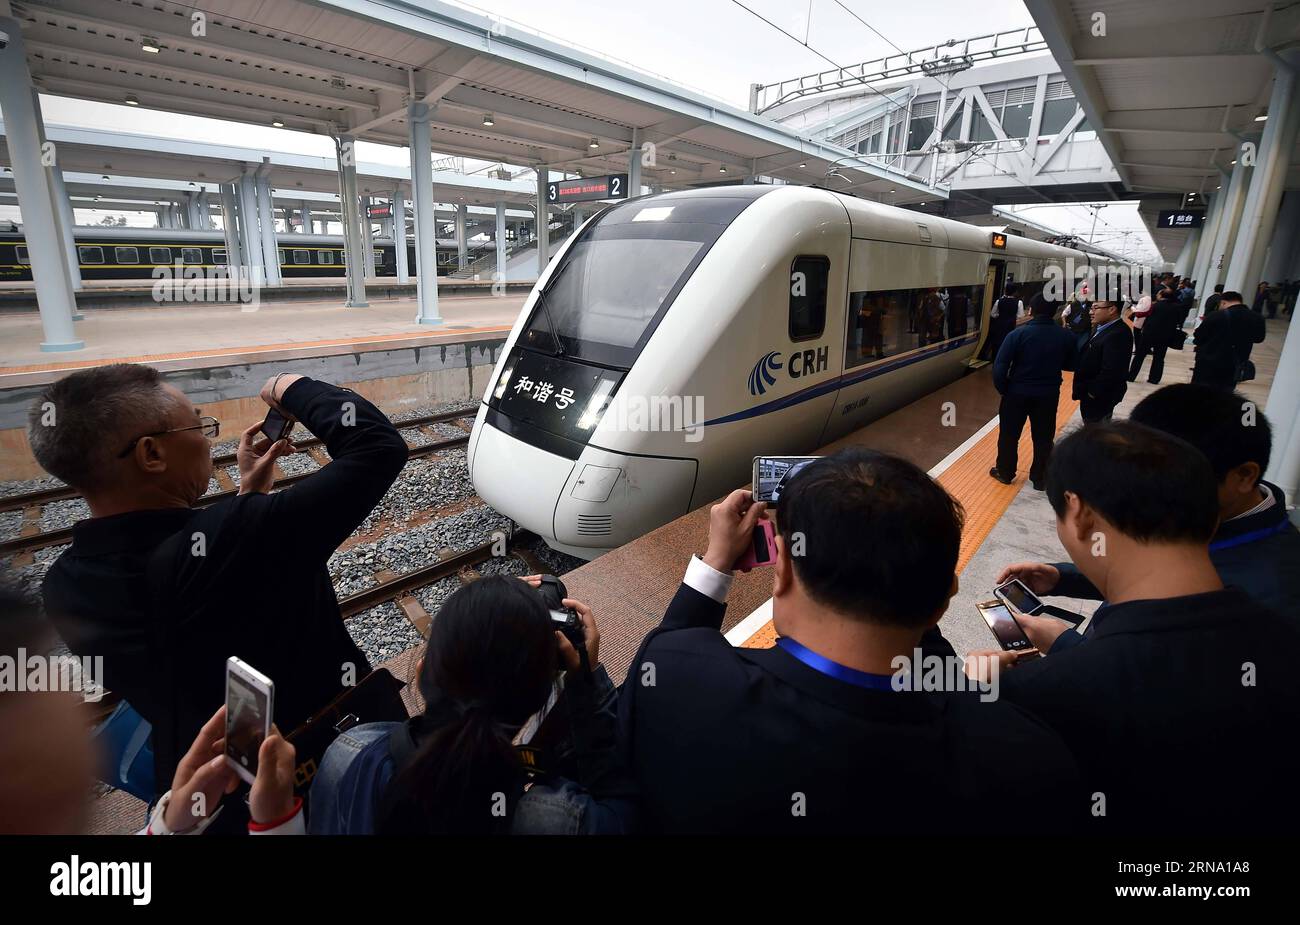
{"points": [[801, 363]]}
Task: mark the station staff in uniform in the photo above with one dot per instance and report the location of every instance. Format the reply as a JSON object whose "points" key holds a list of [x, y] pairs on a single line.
{"points": [[1101, 376]]}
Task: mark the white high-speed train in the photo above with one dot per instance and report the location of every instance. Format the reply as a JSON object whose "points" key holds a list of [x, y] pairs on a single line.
{"points": [[676, 336]]}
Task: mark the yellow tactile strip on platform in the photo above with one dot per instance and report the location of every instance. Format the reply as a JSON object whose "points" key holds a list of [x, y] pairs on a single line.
{"points": [[249, 348], [984, 498]]}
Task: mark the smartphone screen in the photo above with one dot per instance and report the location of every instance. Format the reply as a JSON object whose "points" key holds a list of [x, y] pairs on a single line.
{"points": [[772, 472], [1018, 596], [276, 426], [1004, 626], [248, 718]]}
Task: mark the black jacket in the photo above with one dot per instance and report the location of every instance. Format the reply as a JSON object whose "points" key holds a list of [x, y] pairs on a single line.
{"points": [[1225, 338], [260, 590], [1259, 554], [729, 740], [1165, 318], [1181, 714], [1102, 368], [1030, 360]]}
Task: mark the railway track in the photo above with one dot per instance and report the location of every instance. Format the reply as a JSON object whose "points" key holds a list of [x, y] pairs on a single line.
{"points": [[31, 502], [394, 587]]}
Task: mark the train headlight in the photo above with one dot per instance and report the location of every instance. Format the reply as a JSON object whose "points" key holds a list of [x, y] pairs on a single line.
{"points": [[502, 382], [596, 405]]}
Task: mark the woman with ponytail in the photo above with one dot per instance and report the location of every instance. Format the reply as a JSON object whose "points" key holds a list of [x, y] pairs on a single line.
{"points": [[491, 664]]}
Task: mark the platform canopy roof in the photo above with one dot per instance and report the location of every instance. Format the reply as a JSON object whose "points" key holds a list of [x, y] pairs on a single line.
{"points": [[500, 92], [1173, 87], [204, 164]]}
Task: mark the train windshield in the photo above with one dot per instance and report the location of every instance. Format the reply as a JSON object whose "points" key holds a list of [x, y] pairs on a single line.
{"points": [[604, 301]]}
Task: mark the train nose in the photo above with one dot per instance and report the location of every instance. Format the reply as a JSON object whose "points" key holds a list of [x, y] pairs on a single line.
{"points": [[585, 506]]}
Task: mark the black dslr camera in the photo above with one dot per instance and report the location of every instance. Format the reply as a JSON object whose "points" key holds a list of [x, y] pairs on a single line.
{"points": [[565, 619]]}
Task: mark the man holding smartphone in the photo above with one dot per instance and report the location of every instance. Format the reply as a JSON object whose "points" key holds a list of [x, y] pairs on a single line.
{"points": [[165, 591]]}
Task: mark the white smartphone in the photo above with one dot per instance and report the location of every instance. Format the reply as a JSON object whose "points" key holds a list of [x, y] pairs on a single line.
{"points": [[1018, 595], [250, 704]]}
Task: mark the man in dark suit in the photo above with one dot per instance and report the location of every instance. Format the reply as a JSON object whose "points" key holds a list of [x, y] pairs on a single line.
{"points": [[1027, 374], [1157, 333], [1099, 378], [1224, 341], [823, 733], [1180, 699]]}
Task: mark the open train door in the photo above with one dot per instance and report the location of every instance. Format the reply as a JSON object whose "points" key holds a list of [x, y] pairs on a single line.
{"points": [[994, 281]]}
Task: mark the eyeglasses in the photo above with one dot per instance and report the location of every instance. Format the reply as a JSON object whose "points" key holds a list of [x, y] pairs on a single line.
{"points": [[211, 428]]}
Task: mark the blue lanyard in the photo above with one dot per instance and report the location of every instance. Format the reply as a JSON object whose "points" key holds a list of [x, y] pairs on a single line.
{"points": [[1251, 537], [875, 682]]}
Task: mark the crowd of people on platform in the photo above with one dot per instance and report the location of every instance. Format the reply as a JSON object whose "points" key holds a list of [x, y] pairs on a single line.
{"points": [[1172, 712]]}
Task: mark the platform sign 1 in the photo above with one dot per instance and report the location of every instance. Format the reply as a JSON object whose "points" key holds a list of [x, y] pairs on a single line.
{"points": [[588, 189], [380, 210], [1182, 218]]}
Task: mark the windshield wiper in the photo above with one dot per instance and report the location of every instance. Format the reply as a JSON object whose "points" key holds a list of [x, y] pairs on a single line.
{"points": [[550, 323]]}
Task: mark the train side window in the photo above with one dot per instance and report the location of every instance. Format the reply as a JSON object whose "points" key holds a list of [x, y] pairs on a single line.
{"points": [[90, 254], [20, 252], [191, 255], [160, 255], [126, 255], [808, 281], [325, 258], [301, 256], [284, 258]]}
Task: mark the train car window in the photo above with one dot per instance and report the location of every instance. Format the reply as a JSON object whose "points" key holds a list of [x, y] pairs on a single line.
{"points": [[220, 257], [20, 252], [90, 254], [160, 255], [284, 258], [301, 256], [325, 258], [191, 255], [808, 280], [126, 255], [890, 322]]}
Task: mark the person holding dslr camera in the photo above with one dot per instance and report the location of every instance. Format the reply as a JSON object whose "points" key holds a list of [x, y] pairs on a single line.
{"points": [[496, 650]]}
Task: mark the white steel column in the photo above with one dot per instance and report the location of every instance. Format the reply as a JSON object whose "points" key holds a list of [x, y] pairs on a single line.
{"points": [[634, 166], [1204, 250], [1234, 197], [304, 219], [266, 218], [1259, 214], [462, 240], [230, 227], [67, 226], [1183, 265], [250, 240], [426, 229], [345, 145], [54, 294], [399, 237], [501, 241], [367, 236], [543, 221]]}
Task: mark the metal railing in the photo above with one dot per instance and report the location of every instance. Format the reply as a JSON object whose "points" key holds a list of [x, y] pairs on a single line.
{"points": [[945, 58]]}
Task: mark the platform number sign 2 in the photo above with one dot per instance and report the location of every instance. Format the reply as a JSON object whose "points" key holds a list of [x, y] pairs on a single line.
{"points": [[587, 189]]}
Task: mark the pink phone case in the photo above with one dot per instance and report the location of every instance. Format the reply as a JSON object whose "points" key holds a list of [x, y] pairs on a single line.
{"points": [[750, 560]]}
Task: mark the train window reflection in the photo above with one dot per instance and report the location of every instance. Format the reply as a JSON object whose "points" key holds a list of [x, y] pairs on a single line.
{"points": [[611, 287], [90, 254], [890, 322], [126, 255], [808, 278]]}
